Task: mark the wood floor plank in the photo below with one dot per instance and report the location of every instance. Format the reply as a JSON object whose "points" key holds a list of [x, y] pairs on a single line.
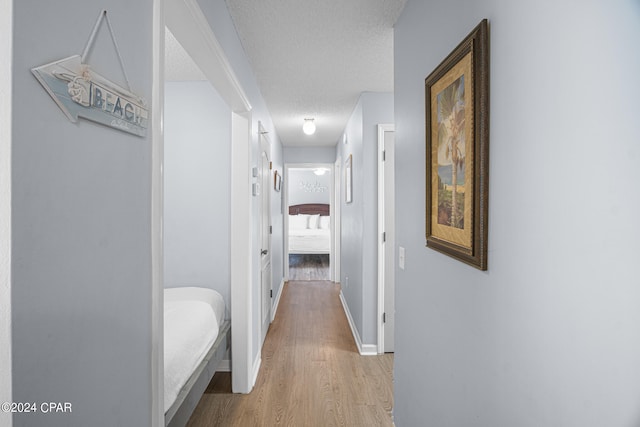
{"points": [[309, 267], [311, 373]]}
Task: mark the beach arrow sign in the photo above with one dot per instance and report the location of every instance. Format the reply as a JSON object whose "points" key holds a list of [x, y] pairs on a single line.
{"points": [[81, 92]]}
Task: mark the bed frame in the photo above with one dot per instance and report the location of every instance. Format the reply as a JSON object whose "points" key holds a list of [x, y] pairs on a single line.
{"points": [[310, 209], [188, 398]]}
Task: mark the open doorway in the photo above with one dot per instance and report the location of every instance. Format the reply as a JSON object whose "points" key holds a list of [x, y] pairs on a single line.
{"points": [[309, 223], [190, 28]]}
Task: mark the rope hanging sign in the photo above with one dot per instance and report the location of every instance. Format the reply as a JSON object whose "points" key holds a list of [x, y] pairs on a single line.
{"points": [[81, 92]]}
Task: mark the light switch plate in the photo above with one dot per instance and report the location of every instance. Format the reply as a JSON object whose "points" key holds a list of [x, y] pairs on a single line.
{"points": [[401, 257]]}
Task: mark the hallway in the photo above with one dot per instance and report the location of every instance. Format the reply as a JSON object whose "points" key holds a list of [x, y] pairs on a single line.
{"points": [[311, 373]]}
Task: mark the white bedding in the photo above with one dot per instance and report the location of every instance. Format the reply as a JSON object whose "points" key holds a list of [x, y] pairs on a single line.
{"points": [[192, 317], [189, 293], [309, 241]]}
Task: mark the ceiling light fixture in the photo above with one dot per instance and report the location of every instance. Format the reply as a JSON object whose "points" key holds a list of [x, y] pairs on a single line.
{"points": [[309, 127], [320, 171]]}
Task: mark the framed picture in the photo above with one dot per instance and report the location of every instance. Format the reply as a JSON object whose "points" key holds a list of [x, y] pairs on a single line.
{"points": [[277, 181], [348, 179], [457, 151]]}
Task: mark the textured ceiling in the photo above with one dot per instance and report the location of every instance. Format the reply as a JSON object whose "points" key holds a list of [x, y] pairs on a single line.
{"points": [[178, 64], [313, 58]]}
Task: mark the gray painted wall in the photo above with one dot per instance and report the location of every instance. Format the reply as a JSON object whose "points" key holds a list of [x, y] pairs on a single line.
{"points": [[197, 178], [359, 274], [81, 285], [307, 187], [220, 21], [351, 230], [309, 154], [550, 334]]}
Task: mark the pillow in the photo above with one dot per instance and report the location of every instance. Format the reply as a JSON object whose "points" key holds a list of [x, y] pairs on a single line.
{"points": [[325, 222], [314, 222], [306, 218], [298, 222], [191, 293]]}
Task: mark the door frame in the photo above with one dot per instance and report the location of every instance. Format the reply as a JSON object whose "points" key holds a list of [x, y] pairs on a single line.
{"points": [[285, 214], [337, 224], [6, 69], [265, 189], [382, 128], [189, 25]]}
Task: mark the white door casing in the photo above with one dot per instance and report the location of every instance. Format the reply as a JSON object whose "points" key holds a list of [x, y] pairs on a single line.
{"points": [[332, 210], [386, 238], [6, 43], [265, 233], [157, 214], [241, 245]]}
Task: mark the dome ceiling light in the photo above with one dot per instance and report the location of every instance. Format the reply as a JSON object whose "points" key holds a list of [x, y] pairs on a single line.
{"points": [[309, 127], [320, 171]]}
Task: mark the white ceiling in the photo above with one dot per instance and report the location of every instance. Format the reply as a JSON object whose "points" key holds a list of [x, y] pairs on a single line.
{"points": [[178, 64], [311, 58]]}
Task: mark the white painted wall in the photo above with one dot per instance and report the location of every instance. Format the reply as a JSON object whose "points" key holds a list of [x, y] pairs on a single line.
{"points": [[6, 41], [197, 177], [307, 187], [550, 334], [81, 227], [359, 251]]}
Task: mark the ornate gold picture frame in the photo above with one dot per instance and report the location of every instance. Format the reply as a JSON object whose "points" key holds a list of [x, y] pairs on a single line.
{"points": [[457, 151]]}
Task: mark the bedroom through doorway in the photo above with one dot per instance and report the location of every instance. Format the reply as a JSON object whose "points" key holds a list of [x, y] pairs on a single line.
{"points": [[309, 221]]}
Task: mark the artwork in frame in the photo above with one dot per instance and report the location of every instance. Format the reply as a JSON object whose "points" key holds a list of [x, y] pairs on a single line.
{"points": [[277, 181], [457, 151], [348, 179]]}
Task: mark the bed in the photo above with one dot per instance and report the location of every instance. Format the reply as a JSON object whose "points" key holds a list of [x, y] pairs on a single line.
{"points": [[196, 339], [309, 229]]}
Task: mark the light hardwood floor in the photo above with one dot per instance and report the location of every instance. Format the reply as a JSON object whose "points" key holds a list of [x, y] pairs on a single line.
{"points": [[311, 373], [309, 267]]}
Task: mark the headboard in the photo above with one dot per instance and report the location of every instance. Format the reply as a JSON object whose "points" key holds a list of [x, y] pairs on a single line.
{"points": [[310, 209]]}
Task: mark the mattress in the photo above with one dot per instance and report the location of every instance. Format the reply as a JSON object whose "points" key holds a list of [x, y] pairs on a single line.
{"points": [[309, 241], [192, 317], [211, 297]]}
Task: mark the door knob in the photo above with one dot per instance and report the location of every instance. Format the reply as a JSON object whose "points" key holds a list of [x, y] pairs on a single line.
{"points": [[264, 252]]}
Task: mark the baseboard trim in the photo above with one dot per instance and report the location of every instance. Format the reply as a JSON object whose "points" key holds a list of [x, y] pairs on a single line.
{"points": [[363, 349], [276, 303], [224, 366], [369, 350], [256, 371]]}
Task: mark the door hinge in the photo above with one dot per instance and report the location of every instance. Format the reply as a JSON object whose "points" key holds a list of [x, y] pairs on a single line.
{"points": [[271, 229], [384, 236], [384, 317], [271, 293], [384, 155], [270, 165]]}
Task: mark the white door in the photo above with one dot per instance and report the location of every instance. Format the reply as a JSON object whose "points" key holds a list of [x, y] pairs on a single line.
{"points": [[386, 250], [265, 233]]}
